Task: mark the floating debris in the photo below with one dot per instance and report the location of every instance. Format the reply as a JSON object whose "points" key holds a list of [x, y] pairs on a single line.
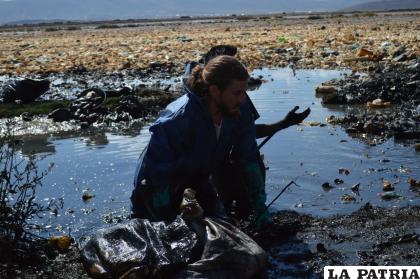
{"points": [[378, 103], [87, 196], [338, 181], [355, 187], [388, 186], [343, 171], [327, 186], [413, 183], [348, 198], [314, 123], [324, 89], [390, 195]]}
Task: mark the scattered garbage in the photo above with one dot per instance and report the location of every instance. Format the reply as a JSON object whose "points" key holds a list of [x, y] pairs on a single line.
{"points": [[387, 186], [364, 52], [338, 181], [355, 187], [343, 171], [389, 195], [394, 85], [327, 186], [413, 183], [61, 243], [323, 89], [184, 39], [348, 198], [378, 103], [87, 196]]}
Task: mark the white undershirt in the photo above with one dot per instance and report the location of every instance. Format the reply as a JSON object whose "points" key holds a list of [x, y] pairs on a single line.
{"points": [[218, 129]]}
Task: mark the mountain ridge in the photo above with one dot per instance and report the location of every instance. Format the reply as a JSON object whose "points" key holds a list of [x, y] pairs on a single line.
{"points": [[385, 5]]}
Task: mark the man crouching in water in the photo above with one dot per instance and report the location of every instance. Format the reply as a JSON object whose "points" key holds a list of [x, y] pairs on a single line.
{"points": [[205, 140]]}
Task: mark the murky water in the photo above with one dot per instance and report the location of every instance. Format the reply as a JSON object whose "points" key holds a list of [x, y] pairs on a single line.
{"points": [[103, 163]]}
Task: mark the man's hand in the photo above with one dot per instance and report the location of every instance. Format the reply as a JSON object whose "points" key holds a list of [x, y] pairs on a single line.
{"points": [[293, 118]]}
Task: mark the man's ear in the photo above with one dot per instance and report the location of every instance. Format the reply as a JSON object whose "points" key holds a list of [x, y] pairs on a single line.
{"points": [[214, 91]]}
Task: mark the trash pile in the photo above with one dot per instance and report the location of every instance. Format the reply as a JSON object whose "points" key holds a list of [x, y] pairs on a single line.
{"points": [[391, 96], [330, 42]]}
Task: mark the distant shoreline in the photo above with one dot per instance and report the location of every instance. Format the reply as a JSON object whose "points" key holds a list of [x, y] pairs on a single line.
{"points": [[290, 15]]}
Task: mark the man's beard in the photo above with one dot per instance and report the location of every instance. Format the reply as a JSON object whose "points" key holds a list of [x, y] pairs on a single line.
{"points": [[226, 112]]}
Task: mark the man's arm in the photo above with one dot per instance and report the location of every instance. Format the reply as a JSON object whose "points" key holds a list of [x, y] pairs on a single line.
{"points": [[292, 118]]}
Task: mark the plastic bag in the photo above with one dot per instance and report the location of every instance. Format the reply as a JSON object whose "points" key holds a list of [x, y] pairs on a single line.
{"points": [[203, 248]]}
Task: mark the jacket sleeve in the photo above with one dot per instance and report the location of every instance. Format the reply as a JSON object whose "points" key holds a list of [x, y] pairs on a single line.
{"points": [[245, 148], [171, 155]]}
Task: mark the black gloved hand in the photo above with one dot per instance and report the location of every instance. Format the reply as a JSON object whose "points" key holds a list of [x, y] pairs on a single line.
{"points": [[293, 118]]}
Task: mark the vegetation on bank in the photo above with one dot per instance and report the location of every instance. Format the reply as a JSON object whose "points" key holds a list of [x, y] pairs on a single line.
{"points": [[43, 107], [147, 99], [35, 108], [19, 181]]}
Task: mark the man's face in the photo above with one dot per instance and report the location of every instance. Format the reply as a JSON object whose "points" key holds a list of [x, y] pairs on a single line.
{"points": [[232, 98]]}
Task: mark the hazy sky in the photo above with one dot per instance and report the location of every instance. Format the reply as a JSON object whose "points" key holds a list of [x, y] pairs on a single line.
{"points": [[17, 10]]}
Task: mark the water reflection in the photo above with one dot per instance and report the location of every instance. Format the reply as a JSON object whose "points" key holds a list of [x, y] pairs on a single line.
{"points": [[39, 144], [97, 140]]}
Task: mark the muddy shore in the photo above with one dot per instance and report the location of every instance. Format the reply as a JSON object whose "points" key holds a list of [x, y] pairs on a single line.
{"points": [[297, 245]]}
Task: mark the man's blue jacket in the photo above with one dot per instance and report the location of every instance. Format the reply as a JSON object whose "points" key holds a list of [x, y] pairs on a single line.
{"points": [[183, 150]]}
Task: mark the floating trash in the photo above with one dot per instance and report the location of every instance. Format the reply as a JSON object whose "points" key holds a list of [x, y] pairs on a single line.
{"points": [[355, 187], [388, 186], [413, 183], [390, 195], [378, 103], [338, 181], [348, 198], [343, 171], [327, 186], [87, 196]]}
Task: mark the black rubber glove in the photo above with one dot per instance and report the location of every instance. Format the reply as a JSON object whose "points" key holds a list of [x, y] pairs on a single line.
{"points": [[292, 118]]}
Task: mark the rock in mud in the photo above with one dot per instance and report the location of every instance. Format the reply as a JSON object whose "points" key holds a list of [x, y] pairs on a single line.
{"points": [[25, 90], [26, 116], [60, 115]]}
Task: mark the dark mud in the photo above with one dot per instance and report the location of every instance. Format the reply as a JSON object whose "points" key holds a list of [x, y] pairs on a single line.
{"points": [[398, 111], [298, 245]]}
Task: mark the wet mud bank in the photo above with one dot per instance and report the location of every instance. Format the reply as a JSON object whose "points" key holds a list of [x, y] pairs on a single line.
{"points": [[79, 100], [389, 99], [297, 245]]}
